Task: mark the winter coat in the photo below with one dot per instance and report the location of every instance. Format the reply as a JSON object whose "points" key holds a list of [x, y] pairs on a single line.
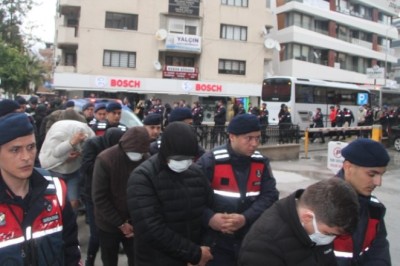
{"points": [[166, 207], [278, 238], [110, 176], [57, 147]]}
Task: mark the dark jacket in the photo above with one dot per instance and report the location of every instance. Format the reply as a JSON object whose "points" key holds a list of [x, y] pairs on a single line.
{"points": [[278, 238], [91, 148], [251, 206], [378, 253], [110, 176], [167, 207], [220, 116], [49, 247]]}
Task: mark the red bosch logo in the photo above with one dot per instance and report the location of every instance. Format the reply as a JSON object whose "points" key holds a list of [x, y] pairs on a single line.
{"points": [[127, 83]]}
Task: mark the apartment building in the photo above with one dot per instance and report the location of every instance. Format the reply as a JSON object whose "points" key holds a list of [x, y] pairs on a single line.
{"points": [[169, 49], [337, 40]]}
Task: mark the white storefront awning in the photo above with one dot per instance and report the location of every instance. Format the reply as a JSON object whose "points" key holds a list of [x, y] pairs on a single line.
{"points": [[79, 82]]}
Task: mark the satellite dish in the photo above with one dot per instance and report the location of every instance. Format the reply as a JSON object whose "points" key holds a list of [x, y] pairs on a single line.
{"points": [[269, 43], [157, 65], [277, 46], [161, 34]]}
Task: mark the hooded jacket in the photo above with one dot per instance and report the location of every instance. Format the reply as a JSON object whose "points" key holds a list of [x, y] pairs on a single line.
{"points": [[56, 146], [167, 207], [91, 148], [110, 176]]}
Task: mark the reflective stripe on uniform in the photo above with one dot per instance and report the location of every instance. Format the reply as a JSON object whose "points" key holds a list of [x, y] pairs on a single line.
{"points": [[343, 254], [59, 191], [11, 242]]}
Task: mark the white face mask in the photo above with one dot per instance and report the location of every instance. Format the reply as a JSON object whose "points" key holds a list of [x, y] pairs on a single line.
{"points": [[179, 166], [319, 238], [134, 156]]}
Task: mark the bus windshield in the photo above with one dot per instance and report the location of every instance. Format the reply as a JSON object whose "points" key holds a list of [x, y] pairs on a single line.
{"points": [[276, 90]]}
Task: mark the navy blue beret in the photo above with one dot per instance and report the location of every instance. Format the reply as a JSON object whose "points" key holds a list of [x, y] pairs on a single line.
{"points": [[17, 125], [152, 119], [180, 114], [99, 106], [8, 106], [70, 104], [366, 153], [243, 124], [113, 106], [86, 106]]}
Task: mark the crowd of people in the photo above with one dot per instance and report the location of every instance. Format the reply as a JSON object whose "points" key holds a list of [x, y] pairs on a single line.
{"points": [[154, 190]]}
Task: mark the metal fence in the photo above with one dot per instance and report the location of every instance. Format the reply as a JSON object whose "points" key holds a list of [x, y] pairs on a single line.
{"points": [[212, 136]]}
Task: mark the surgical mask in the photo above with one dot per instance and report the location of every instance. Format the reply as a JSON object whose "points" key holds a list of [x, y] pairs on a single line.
{"points": [[179, 166], [319, 238], [134, 156]]}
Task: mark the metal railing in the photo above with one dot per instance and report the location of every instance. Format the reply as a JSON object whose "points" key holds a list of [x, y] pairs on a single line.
{"points": [[212, 136]]}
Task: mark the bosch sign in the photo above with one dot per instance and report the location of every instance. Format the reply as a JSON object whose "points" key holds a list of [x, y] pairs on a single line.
{"points": [[126, 83], [208, 87]]}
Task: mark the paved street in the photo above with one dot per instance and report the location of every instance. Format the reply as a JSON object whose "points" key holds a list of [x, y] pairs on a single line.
{"points": [[295, 174]]}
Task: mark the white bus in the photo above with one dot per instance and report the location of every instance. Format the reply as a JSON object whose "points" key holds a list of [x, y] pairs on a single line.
{"points": [[303, 96]]}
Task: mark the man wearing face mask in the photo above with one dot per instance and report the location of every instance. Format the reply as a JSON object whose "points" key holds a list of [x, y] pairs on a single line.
{"points": [[243, 185], [365, 162], [110, 177], [167, 196], [299, 229]]}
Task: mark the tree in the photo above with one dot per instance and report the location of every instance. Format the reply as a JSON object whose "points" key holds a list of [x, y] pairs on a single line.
{"points": [[12, 13], [18, 66]]}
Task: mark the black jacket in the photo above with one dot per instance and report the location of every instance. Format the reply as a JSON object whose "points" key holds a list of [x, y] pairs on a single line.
{"points": [[166, 209], [91, 148], [278, 238]]}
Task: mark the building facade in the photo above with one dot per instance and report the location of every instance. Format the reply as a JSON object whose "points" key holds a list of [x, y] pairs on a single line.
{"points": [[337, 40], [170, 49]]}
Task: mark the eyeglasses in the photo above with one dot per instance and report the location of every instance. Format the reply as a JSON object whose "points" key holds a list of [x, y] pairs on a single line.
{"points": [[251, 138]]}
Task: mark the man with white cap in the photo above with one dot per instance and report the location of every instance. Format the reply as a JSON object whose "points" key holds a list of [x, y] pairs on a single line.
{"points": [[243, 185], [365, 162], [37, 224]]}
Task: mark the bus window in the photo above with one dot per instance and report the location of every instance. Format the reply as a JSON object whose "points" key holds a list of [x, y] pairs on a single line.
{"points": [[320, 95], [304, 93], [276, 90]]}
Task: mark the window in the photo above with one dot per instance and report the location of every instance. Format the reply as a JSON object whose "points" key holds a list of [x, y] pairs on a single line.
{"points": [[119, 59], [183, 26], [121, 21], [276, 90], [179, 61], [300, 20], [234, 67], [243, 3], [237, 33]]}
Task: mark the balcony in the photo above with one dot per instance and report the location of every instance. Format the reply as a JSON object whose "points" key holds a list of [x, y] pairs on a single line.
{"points": [[70, 2], [67, 36]]}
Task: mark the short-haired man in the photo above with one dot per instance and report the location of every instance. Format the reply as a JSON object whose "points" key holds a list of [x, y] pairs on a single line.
{"points": [[364, 164], [37, 224], [113, 117], [299, 229], [243, 185]]}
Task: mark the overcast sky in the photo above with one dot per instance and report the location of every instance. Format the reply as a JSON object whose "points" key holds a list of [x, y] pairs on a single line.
{"points": [[42, 17]]}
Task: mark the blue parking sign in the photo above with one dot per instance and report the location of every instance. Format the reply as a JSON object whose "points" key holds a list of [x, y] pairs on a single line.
{"points": [[362, 98]]}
